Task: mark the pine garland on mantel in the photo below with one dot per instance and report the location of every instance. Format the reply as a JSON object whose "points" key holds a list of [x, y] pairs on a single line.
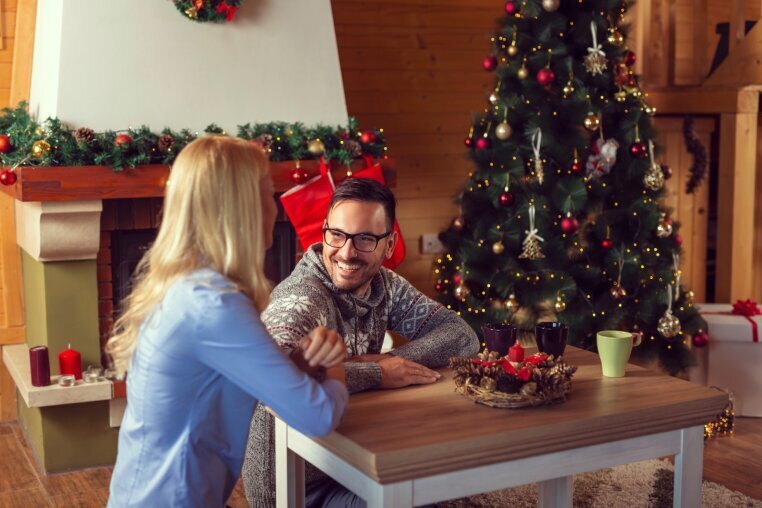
{"points": [[26, 142]]}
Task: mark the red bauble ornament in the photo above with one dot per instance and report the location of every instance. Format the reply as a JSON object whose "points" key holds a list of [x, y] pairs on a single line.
{"points": [[700, 338], [469, 142], [511, 8], [439, 286], [123, 140], [483, 143], [577, 167], [569, 225], [299, 175], [368, 137], [344, 135], [678, 239], [666, 171], [545, 76], [456, 278], [607, 243], [638, 150], [506, 198], [7, 177], [5, 143], [629, 58], [489, 63]]}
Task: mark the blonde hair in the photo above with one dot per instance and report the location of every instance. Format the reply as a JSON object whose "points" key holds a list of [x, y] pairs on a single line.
{"points": [[212, 217]]}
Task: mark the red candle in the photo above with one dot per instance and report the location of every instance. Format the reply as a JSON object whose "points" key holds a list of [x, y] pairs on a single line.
{"points": [[70, 362], [516, 353]]}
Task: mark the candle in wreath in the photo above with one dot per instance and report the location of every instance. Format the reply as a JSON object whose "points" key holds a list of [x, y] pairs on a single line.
{"points": [[70, 363]]}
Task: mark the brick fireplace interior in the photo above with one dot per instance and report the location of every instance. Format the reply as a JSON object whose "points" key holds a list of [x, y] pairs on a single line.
{"points": [[129, 226]]}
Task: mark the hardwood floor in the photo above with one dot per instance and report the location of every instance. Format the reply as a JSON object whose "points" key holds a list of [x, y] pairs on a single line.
{"points": [[734, 461]]}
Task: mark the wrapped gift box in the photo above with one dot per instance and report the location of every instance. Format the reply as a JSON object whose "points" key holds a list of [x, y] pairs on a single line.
{"points": [[733, 358]]}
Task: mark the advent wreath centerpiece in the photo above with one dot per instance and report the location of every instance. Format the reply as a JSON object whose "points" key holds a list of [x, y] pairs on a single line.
{"points": [[513, 381]]}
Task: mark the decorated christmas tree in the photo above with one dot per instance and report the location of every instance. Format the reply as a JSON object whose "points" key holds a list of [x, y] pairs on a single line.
{"points": [[561, 217]]}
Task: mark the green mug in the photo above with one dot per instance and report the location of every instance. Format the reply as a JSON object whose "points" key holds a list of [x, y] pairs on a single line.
{"points": [[614, 348]]}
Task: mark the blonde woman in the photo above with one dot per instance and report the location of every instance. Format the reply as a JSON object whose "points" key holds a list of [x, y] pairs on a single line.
{"points": [[198, 356]]}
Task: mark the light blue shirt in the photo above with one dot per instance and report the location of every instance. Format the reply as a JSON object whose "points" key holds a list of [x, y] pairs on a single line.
{"points": [[202, 362]]}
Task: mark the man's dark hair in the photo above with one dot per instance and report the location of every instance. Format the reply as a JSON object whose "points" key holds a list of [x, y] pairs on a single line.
{"points": [[367, 191]]}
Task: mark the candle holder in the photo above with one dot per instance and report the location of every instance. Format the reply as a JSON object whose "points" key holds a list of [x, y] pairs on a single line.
{"points": [[92, 374], [66, 380]]}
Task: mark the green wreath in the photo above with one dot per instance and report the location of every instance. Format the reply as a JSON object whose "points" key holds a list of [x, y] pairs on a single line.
{"points": [[202, 11]]}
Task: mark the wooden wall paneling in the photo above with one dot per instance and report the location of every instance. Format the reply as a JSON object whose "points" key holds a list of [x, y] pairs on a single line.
{"points": [[10, 277], [23, 50], [413, 67], [757, 290], [699, 36], [736, 202]]}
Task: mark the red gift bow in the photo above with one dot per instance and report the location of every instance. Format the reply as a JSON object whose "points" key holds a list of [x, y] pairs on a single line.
{"points": [[746, 308]]}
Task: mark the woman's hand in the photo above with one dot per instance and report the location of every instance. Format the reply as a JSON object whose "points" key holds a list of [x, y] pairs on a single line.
{"points": [[323, 347]]}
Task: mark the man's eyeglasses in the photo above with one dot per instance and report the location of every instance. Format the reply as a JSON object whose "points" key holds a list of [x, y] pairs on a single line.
{"points": [[363, 242]]}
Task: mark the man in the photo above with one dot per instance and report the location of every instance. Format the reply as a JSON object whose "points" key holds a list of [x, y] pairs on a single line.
{"points": [[341, 284]]}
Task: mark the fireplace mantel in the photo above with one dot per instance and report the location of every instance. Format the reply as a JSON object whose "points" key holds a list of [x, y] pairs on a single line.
{"points": [[86, 183]]}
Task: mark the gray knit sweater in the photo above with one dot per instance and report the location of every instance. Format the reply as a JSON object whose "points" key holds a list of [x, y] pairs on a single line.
{"points": [[308, 298]]}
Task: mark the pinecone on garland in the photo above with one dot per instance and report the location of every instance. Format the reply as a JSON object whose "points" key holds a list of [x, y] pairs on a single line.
{"points": [[84, 136], [165, 143], [264, 140], [354, 149]]}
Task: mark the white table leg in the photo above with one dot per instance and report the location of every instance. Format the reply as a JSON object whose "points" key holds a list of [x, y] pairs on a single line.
{"points": [[289, 471], [556, 493], [393, 495], [689, 468]]}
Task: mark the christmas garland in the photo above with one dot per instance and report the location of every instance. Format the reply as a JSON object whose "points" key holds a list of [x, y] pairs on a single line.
{"points": [[25, 142], [203, 11]]}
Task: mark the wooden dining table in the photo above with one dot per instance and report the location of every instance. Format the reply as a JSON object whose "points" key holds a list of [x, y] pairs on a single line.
{"points": [[426, 444]]}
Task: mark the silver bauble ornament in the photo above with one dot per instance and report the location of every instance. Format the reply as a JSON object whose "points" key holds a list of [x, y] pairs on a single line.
{"points": [[503, 131], [461, 291], [669, 325], [654, 178], [664, 228], [551, 5], [493, 98]]}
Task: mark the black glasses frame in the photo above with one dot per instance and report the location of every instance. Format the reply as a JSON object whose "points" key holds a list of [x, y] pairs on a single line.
{"points": [[349, 236]]}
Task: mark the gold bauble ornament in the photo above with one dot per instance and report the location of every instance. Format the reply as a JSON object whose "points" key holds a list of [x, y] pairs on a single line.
{"points": [[288, 131], [617, 292], [663, 228], [498, 247], [689, 296], [523, 72], [591, 122], [40, 148], [191, 12], [503, 131], [316, 147], [668, 325], [620, 96], [650, 111], [560, 304], [511, 303], [458, 223], [512, 50], [568, 89], [615, 37], [551, 5], [461, 291], [654, 178], [493, 98]]}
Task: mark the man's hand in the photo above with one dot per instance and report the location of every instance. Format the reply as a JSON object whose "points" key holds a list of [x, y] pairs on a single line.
{"points": [[323, 347], [397, 372]]}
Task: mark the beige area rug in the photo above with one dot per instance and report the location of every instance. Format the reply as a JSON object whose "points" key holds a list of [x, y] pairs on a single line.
{"points": [[642, 484]]}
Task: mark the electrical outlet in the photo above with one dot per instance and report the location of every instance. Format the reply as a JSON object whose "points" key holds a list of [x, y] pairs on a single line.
{"points": [[430, 244]]}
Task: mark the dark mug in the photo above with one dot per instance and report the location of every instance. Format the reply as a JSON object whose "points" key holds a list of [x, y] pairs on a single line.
{"points": [[551, 337], [498, 337]]}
